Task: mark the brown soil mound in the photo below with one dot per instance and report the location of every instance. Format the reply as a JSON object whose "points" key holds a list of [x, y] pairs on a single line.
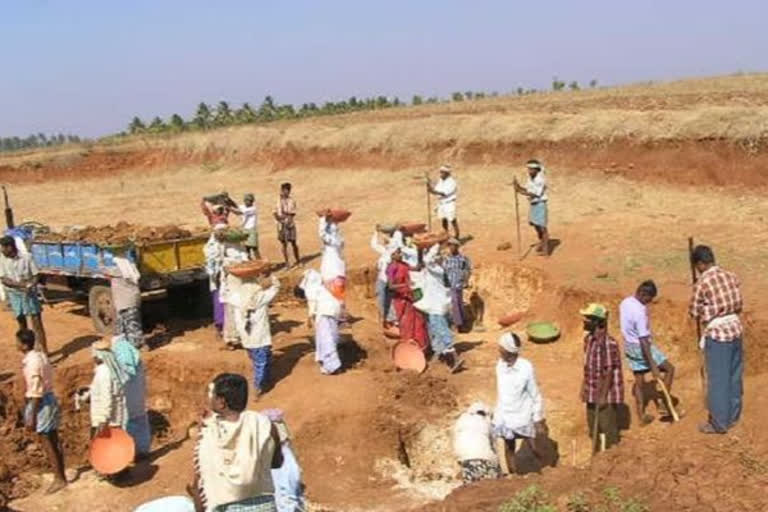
{"points": [[121, 233]]}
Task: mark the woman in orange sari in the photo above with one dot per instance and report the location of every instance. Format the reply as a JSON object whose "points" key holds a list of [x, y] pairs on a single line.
{"points": [[411, 321]]}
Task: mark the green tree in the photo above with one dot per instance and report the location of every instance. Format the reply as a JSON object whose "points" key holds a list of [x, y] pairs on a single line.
{"points": [[267, 109], [557, 85], [593, 83], [177, 123], [468, 95], [574, 86], [457, 96], [520, 91], [136, 126], [224, 115], [245, 114], [157, 125], [202, 116], [417, 100]]}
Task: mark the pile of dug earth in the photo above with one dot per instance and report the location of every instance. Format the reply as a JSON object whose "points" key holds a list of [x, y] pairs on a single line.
{"points": [[122, 233]]}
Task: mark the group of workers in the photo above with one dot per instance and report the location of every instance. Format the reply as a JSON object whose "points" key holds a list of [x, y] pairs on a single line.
{"points": [[716, 303], [420, 294]]}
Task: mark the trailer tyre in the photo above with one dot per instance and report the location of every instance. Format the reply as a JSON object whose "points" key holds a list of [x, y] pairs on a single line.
{"points": [[101, 309]]}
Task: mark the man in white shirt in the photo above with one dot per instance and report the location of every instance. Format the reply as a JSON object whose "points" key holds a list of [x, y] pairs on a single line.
{"points": [[536, 192], [19, 277], [251, 226], [519, 410], [473, 444], [446, 190]]}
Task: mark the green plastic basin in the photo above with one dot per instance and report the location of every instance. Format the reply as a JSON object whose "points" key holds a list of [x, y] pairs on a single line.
{"points": [[542, 331]]}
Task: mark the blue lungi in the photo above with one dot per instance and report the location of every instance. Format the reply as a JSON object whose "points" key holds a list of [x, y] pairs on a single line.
{"points": [[538, 215]]}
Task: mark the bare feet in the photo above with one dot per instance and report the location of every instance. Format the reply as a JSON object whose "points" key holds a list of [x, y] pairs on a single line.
{"points": [[56, 486]]}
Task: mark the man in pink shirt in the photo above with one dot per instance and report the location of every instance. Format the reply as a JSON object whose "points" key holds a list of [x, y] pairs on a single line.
{"points": [[42, 412]]}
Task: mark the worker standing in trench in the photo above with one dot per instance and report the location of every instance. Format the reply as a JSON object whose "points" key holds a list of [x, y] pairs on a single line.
{"points": [[602, 389], [717, 303]]}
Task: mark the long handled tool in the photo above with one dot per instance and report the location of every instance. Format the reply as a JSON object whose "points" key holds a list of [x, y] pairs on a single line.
{"points": [[668, 399], [595, 429], [702, 365], [429, 202], [8, 211], [517, 219]]}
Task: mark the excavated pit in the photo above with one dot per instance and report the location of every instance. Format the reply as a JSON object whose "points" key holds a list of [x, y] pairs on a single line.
{"points": [[402, 443]]}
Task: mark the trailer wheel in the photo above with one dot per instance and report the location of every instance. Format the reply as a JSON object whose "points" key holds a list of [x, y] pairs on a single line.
{"points": [[101, 309]]}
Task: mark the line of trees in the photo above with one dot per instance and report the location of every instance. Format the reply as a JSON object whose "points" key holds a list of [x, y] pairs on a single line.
{"points": [[207, 117], [39, 140], [559, 85]]}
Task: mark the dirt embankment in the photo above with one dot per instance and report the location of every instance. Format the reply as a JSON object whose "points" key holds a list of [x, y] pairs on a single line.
{"points": [[703, 163], [691, 132]]}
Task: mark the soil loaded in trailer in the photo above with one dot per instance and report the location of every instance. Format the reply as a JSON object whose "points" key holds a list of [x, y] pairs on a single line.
{"points": [[79, 267]]}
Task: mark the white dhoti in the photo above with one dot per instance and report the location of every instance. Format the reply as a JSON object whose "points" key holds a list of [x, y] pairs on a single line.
{"points": [[326, 341], [447, 211]]}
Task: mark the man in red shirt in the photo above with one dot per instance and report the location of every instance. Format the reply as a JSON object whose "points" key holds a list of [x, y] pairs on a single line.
{"points": [[717, 303], [602, 388]]}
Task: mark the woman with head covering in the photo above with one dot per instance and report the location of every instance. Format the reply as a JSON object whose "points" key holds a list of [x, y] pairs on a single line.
{"points": [[411, 321], [108, 407], [129, 359], [324, 310], [214, 262]]}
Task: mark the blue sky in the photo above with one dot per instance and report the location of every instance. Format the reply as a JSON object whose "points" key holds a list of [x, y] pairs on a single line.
{"points": [[88, 67]]}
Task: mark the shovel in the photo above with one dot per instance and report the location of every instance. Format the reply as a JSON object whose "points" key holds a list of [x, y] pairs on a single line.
{"points": [[668, 400]]}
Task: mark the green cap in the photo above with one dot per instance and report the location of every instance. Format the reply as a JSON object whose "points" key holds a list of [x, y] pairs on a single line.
{"points": [[595, 310]]}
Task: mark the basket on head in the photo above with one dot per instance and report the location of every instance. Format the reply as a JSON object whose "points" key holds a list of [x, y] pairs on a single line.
{"points": [[336, 214], [112, 451], [387, 229], [235, 235], [427, 240], [250, 269], [411, 228]]}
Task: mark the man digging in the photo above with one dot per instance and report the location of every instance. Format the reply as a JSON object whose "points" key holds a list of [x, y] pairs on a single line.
{"points": [[642, 353]]}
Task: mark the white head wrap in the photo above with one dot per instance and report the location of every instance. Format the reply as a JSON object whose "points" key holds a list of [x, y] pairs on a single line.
{"points": [[507, 342], [478, 407]]}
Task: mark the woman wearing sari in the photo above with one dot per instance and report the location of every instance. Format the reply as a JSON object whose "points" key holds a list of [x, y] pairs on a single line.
{"points": [[129, 359], [411, 321]]}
